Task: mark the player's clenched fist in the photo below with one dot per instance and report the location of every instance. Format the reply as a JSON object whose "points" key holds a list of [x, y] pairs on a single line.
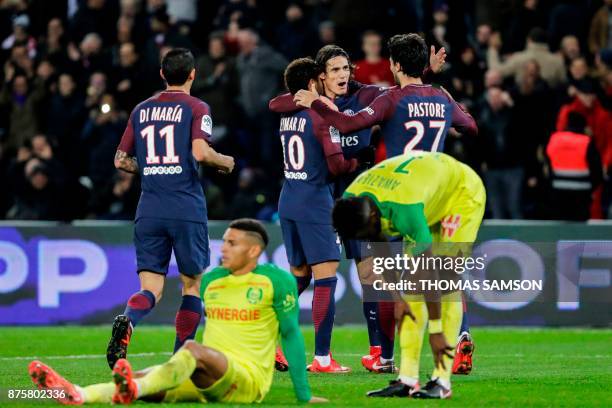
{"points": [[228, 165]]}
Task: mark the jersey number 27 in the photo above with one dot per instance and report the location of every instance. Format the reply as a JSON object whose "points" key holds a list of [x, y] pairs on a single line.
{"points": [[420, 132]]}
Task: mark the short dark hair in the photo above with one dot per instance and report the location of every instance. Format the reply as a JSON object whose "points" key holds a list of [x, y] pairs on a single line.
{"points": [[328, 52], [410, 51], [299, 72], [177, 65], [538, 35], [349, 216], [251, 227]]}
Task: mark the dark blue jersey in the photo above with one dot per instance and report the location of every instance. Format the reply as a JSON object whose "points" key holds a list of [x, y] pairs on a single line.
{"points": [[415, 117], [353, 142], [159, 133], [311, 155]]}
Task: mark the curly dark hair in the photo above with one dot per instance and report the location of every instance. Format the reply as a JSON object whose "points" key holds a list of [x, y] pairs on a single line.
{"points": [[299, 72], [410, 51]]}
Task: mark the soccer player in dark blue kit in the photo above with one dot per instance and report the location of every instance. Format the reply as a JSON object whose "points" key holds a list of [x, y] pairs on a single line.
{"points": [[413, 116], [350, 97], [165, 138], [312, 155]]}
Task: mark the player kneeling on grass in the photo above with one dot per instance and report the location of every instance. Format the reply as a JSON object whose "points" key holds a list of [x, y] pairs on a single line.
{"points": [[424, 198], [246, 306]]}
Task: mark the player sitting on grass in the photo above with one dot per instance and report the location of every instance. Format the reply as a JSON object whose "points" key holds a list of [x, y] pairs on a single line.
{"points": [[424, 198], [246, 306]]}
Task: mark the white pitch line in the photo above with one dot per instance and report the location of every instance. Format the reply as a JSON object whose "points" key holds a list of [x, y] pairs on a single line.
{"points": [[163, 353]]}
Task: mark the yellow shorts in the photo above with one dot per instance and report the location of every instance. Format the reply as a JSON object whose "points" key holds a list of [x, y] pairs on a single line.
{"points": [[460, 225], [238, 384]]}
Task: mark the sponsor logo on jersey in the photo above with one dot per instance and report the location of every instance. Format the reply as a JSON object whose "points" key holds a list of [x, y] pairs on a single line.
{"points": [[206, 125], [368, 110], [335, 134], [348, 141], [154, 170], [296, 175], [450, 224], [230, 313], [254, 295]]}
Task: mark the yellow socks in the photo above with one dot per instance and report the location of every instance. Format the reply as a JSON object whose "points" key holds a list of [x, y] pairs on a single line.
{"points": [[452, 313], [411, 341], [98, 393], [168, 375]]}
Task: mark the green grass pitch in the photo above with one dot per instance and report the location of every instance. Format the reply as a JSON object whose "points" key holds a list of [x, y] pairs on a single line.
{"points": [[513, 367]]}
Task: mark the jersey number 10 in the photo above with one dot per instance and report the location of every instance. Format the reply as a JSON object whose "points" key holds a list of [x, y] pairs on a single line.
{"points": [[294, 151], [167, 133]]}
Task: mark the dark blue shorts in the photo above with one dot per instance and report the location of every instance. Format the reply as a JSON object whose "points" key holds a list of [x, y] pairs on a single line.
{"points": [[353, 249], [308, 243], [155, 238]]}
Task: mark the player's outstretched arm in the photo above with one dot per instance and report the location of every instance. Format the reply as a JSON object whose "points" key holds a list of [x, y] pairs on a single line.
{"points": [[125, 162], [208, 156], [462, 121], [283, 104]]}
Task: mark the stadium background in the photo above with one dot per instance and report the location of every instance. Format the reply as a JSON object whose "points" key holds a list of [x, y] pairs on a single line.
{"points": [[74, 69]]}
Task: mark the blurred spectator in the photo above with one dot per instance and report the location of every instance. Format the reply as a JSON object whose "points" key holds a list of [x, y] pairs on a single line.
{"points": [[88, 57], [600, 35], [327, 33], [294, 37], [184, 11], [373, 69], [570, 49], [481, 43], [22, 102], [117, 199], [21, 36], [216, 83], [251, 198], [567, 18], [66, 115], [260, 70], [551, 65], [575, 167], [467, 80], [501, 152], [100, 138], [53, 46], [129, 79], [524, 20], [97, 16], [438, 35]]}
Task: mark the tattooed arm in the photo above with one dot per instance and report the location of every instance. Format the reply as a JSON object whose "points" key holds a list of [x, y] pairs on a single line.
{"points": [[125, 162]]}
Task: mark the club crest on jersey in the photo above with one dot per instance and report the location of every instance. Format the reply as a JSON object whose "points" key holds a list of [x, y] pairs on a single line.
{"points": [[450, 224], [206, 124], [368, 110], [335, 135], [254, 295]]}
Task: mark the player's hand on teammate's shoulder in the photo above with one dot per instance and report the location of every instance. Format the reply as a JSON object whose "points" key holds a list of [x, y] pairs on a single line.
{"points": [[328, 102], [437, 59], [305, 98], [317, 400]]}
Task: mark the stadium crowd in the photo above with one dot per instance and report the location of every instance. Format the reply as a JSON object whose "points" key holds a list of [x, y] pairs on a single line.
{"points": [[74, 69]]}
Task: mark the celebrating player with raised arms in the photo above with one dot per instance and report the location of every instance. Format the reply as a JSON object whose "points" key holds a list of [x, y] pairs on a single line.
{"points": [[413, 116], [312, 156], [423, 198], [247, 307], [165, 138]]}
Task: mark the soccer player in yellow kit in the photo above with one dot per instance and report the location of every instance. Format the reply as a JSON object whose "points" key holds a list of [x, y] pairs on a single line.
{"points": [[425, 198], [247, 305]]}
